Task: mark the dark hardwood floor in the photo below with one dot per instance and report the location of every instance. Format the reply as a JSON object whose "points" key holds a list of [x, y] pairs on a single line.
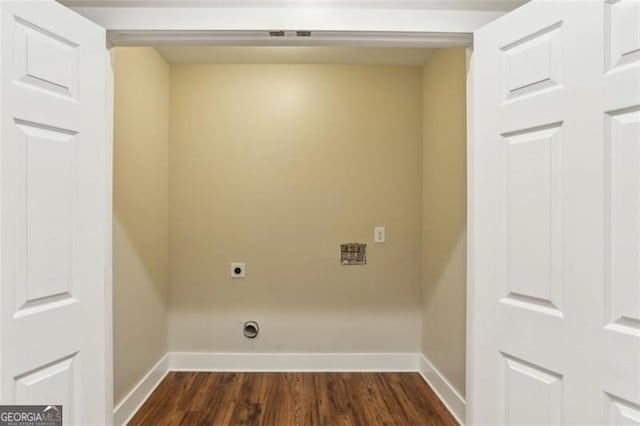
{"points": [[283, 399]]}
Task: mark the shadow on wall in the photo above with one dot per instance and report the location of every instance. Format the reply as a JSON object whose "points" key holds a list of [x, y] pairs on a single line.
{"points": [[445, 214], [140, 287], [140, 268], [140, 216]]}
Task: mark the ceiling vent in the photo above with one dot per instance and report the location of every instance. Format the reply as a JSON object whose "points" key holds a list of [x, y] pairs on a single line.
{"points": [[282, 33]]}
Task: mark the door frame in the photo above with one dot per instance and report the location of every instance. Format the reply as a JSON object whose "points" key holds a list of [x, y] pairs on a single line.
{"points": [[471, 284], [108, 193], [369, 27]]}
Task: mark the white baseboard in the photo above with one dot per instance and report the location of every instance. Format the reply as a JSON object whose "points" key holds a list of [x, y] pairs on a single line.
{"points": [[131, 403], [447, 394], [184, 361]]}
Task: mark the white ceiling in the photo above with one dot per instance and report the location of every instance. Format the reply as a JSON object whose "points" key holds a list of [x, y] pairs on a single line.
{"points": [[471, 5], [295, 55]]}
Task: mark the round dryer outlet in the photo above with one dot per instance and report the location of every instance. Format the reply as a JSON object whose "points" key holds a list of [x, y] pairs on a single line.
{"points": [[251, 329]]}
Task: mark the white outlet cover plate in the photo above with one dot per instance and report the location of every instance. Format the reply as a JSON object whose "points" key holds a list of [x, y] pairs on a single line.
{"points": [[242, 266], [379, 234]]}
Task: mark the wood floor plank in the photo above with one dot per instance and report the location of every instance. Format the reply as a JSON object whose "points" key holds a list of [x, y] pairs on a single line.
{"points": [[230, 390], [417, 391], [407, 412], [293, 399]]}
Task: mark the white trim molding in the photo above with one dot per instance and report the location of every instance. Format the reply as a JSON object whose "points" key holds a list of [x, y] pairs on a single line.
{"points": [[471, 230], [290, 38], [185, 361], [108, 214], [473, 5], [131, 403], [454, 402], [180, 25]]}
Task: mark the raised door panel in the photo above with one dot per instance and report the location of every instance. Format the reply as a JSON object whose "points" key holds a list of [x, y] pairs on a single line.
{"points": [[533, 63], [533, 221], [45, 160], [621, 412], [622, 28], [622, 142], [45, 60], [533, 394], [50, 384]]}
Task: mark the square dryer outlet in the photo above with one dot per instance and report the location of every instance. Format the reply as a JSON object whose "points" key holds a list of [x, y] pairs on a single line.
{"points": [[238, 270]]}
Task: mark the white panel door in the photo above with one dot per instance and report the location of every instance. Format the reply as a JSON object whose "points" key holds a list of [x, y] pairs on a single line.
{"points": [[52, 223], [555, 228]]}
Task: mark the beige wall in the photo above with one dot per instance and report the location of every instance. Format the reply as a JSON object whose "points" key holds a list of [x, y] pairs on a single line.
{"points": [[276, 165], [140, 228], [444, 214]]}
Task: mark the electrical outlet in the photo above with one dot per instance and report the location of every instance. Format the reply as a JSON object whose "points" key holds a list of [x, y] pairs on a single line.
{"points": [[379, 234], [238, 270]]}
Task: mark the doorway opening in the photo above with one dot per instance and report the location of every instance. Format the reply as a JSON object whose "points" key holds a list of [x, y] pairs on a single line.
{"points": [[266, 160]]}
